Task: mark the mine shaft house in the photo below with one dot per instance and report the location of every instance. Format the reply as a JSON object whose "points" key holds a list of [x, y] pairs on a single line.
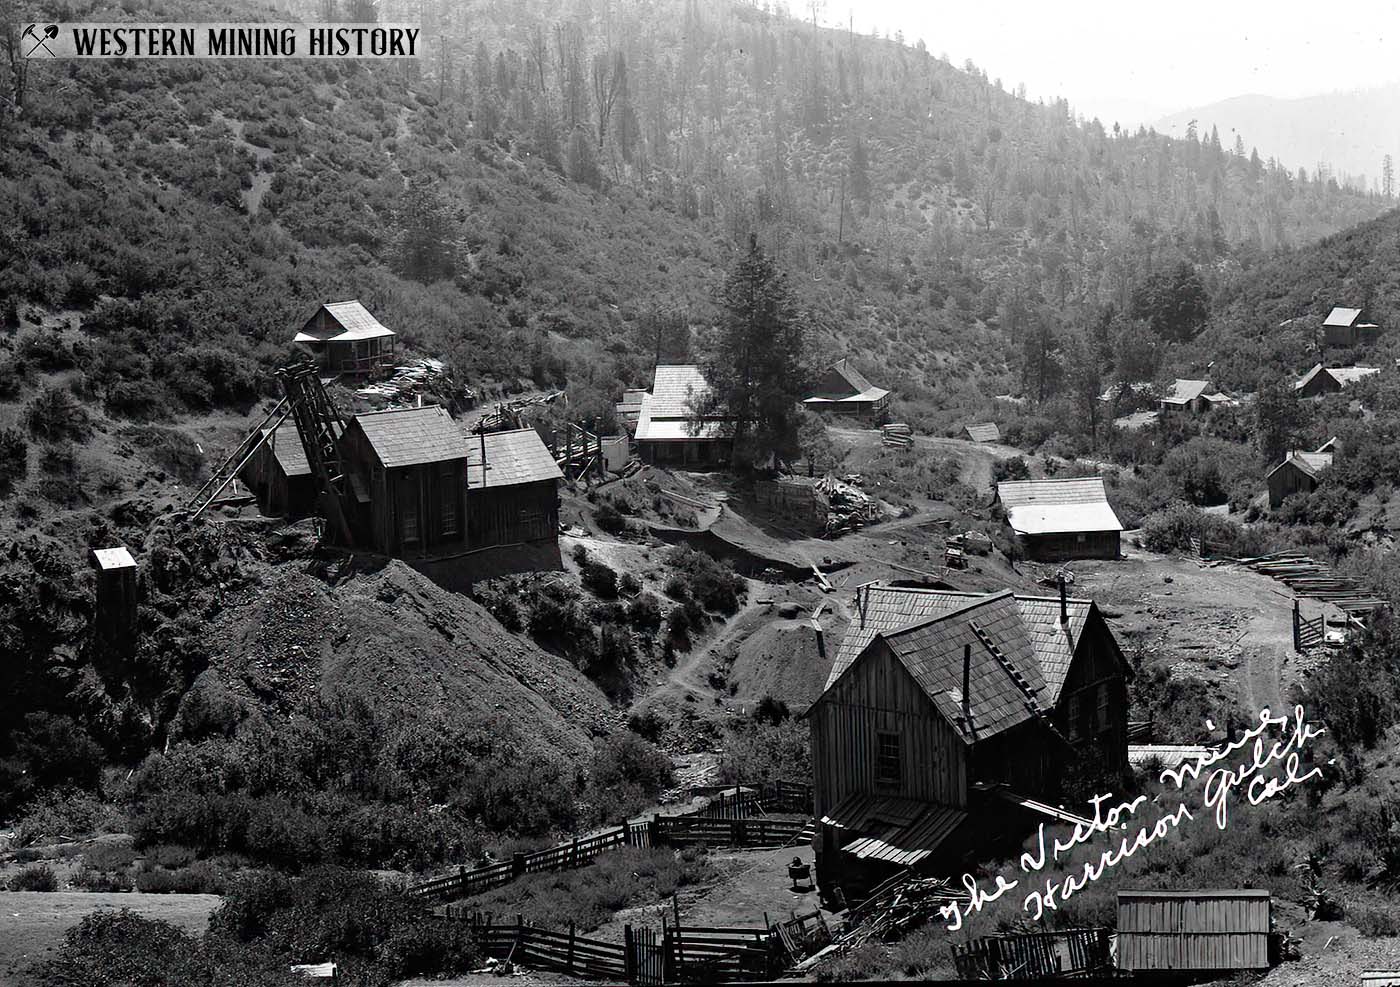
{"points": [[947, 717], [1344, 328], [676, 424], [343, 338], [1299, 473], [1321, 380], [844, 390], [1061, 519]]}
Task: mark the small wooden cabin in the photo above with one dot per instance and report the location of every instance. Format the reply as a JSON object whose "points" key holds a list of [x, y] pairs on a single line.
{"points": [[1194, 931], [675, 424], [1192, 397], [844, 390], [1343, 328], [280, 476], [1299, 473], [408, 471], [925, 680], [343, 338], [514, 499], [1322, 380], [1061, 519], [115, 609], [987, 432]]}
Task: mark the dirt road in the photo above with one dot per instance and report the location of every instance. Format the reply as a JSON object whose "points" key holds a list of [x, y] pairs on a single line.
{"points": [[976, 458]]}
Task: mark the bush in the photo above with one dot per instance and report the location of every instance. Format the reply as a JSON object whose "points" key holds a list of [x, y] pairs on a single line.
{"points": [[645, 612], [60, 813], [600, 580], [628, 584], [699, 577], [609, 519], [14, 458], [45, 349], [53, 415], [1171, 529], [201, 877], [1010, 468], [1375, 923], [35, 877], [647, 725], [91, 879]]}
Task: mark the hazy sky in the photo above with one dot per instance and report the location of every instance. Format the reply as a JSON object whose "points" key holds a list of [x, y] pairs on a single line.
{"points": [[1123, 60]]}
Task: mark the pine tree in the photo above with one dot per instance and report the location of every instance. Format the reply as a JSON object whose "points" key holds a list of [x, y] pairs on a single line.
{"points": [[426, 236], [1388, 177], [756, 366], [860, 173]]}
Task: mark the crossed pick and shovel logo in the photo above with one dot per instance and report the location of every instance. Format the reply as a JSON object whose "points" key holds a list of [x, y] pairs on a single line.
{"points": [[39, 37]]}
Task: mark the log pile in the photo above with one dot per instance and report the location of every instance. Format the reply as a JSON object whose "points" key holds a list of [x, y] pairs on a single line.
{"points": [[897, 434], [1315, 580]]}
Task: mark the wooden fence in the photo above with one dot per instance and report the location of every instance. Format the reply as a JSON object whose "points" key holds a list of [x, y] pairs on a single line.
{"points": [[729, 818], [681, 954], [1034, 955]]}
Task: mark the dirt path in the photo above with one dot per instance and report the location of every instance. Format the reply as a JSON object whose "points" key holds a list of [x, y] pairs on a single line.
{"points": [[976, 458]]}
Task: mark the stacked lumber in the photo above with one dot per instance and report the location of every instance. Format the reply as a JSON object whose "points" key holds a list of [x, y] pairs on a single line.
{"points": [[847, 506], [897, 434], [1315, 580], [409, 382]]}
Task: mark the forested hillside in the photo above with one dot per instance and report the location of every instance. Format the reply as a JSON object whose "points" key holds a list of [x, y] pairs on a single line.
{"points": [[555, 175]]}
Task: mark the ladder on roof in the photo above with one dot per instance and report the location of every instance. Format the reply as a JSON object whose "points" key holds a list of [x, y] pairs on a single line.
{"points": [[1011, 669], [207, 494], [320, 426]]}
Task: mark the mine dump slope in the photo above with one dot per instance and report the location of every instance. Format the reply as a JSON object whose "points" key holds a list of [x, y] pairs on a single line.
{"points": [[390, 633]]}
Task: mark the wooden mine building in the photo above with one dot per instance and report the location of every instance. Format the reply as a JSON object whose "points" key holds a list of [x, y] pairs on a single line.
{"points": [[343, 338], [947, 718], [674, 424], [1061, 519], [844, 390], [279, 474], [1343, 328], [514, 500]]}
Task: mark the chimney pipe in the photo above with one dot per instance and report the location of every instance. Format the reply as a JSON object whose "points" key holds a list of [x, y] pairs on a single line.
{"points": [[1064, 600], [967, 686]]}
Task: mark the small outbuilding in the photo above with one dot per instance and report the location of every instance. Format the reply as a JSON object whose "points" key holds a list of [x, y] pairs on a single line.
{"points": [[1198, 931], [1322, 380], [279, 474], [1193, 397], [343, 338], [987, 432], [1299, 473], [1061, 519], [676, 423], [1344, 327], [844, 390], [114, 619]]}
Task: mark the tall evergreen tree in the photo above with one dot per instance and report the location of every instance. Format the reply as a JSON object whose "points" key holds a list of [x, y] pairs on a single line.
{"points": [[756, 366]]}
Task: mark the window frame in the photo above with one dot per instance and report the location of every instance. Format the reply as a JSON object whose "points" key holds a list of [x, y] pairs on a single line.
{"points": [[883, 759]]}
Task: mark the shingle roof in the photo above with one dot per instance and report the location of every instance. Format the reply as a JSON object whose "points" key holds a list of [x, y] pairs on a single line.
{"points": [[1038, 507], [514, 457], [1342, 375], [888, 608], [1310, 463], [669, 411], [843, 382], [286, 446], [347, 321], [1342, 317], [933, 654], [1186, 390], [983, 433], [412, 436], [902, 831]]}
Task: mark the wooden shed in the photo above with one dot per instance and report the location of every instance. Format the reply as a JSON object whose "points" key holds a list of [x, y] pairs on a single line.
{"points": [[279, 474], [923, 680], [343, 338], [1194, 931], [1299, 473], [1322, 380], [514, 499], [115, 610], [1345, 327], [986, 432], [407, 469], [1061, 519], [844, 390]]}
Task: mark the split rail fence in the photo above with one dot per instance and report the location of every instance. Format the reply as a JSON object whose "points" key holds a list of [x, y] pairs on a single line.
{"points": [[732, 817]]}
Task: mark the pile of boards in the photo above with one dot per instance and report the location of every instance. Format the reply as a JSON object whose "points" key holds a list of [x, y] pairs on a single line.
{"points": [[897, 434], [511, 414], [408, 382], [1315, 580], [897, 907], [847, 506]]}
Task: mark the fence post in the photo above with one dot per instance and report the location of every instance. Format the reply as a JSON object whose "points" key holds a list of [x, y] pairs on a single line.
{"points": [[629, 961], [571, 945], [1297, 635], [518, 864], [654, 829]]}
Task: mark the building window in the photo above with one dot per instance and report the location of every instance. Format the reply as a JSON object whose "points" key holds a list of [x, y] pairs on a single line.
{"points": [[887, 760], [450, 492]]}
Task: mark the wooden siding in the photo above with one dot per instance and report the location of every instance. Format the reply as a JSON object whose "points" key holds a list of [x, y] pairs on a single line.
{"points": [[1286, 481], [512, 515], [878, 695], [393, 491], [709, 452], [1191, 931], [1072, 545], [1096, 681]]}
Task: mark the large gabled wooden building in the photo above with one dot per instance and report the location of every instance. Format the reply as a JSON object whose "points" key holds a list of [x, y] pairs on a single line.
{"points": [[1061, 519], [676, 423], [1344, 328], [944, 712], [512, 490]]}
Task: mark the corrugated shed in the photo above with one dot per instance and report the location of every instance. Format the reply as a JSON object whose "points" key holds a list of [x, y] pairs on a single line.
{"points": [[1342, 318], [342, 321], [1210, 929], [933, 653], [1350, 375], [514, 457], [1039, 507], [888, 608], [411, 436]]}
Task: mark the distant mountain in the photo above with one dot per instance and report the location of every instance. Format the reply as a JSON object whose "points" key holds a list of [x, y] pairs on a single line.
{"points": [[1350, 131]]}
